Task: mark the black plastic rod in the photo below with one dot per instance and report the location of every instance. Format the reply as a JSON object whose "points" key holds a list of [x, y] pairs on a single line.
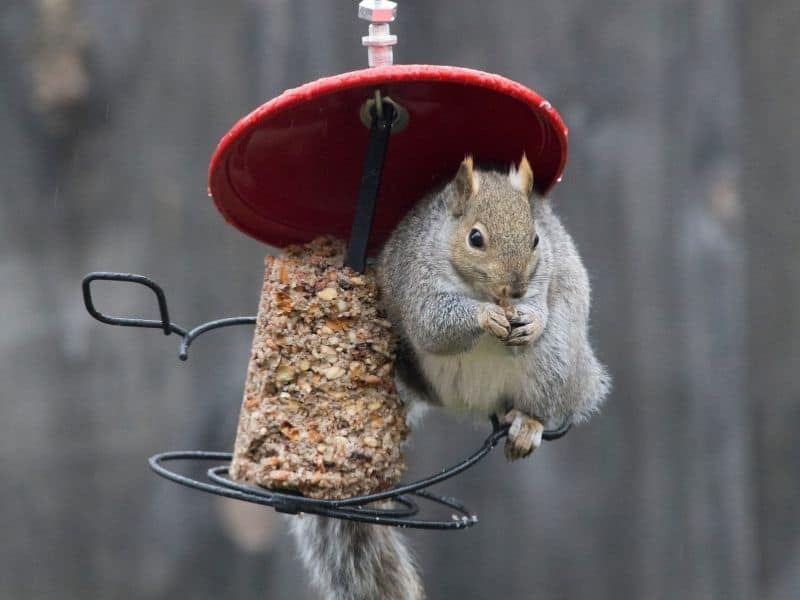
{"points": [[379, 133]]}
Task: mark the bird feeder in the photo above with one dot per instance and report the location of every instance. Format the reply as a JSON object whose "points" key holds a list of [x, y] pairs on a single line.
{"points": [[344, 158]]}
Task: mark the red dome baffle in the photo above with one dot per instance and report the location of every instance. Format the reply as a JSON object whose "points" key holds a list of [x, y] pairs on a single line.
{"points": [[291, 169]]}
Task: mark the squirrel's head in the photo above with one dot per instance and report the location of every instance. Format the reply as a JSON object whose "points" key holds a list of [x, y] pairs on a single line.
{"points": [[494, 244]]}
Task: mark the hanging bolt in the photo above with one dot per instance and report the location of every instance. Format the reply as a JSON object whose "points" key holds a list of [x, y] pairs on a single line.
{"points": [[379, 42]]}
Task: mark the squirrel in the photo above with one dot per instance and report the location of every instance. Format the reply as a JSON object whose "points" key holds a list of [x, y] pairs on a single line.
{"points": [[490, 300]]}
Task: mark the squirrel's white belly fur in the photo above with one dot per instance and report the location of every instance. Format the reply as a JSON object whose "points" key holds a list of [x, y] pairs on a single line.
{"points": [[484, 380]]}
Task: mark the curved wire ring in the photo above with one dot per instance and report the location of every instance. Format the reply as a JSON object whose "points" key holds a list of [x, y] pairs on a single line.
{"points": [[293, 504], [220, 475], [356, 508]]}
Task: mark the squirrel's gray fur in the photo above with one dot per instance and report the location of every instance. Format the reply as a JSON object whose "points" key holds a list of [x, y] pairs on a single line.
{"points": [[529, 360], [356, 561], [435, 304]]}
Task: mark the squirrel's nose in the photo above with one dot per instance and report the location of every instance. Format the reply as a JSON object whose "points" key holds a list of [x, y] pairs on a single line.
{"points": [[510, 291], [518, 287]]}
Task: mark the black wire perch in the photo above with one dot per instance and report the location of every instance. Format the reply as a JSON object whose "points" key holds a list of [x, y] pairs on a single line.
{"points": [[394, 507], [402, 509]]}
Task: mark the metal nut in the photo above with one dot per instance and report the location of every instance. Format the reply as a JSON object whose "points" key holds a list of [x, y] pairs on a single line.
{"points": [[380, 35], [377, 11]]}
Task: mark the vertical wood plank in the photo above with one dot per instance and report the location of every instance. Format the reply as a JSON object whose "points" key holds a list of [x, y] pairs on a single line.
{"points": [[771, 185]]}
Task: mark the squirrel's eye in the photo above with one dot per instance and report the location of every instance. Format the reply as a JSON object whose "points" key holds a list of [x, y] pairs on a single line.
{"points": [[476, 238], [535, 241]]}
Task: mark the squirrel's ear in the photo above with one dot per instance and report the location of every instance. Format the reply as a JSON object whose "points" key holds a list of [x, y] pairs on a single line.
{"points": [[466, 186], [521, 177]]}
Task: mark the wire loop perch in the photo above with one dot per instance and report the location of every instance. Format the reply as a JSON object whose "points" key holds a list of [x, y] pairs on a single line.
{"points": [[403, 509], [165, 323]]}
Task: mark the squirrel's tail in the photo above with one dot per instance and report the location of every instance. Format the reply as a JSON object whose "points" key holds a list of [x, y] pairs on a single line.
{"points": [[356, 561]]}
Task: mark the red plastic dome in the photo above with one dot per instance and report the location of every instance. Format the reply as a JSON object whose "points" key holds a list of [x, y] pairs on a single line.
{"points": [[291, 169]]}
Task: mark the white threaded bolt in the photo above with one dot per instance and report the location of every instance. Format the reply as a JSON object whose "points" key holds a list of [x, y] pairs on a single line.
{"points": [[380, 40]]}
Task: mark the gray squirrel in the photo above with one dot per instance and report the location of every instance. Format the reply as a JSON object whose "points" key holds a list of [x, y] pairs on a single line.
{"points": [[490, 301]]}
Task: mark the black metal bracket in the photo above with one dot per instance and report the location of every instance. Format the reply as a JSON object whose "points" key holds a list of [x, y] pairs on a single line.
{"points": [[383, 116], [164, 322], [400, 513], [403, 508]]}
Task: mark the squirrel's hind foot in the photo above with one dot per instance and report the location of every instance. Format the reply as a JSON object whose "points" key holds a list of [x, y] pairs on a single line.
{"points": [[524, 435]]}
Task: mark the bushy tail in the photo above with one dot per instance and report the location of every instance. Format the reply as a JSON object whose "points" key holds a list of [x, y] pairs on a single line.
{"points": [[355, 561]]}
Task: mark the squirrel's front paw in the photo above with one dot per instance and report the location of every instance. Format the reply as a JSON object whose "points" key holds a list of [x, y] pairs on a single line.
{"points": [[526, 327], [493, 319], [524, 435]]}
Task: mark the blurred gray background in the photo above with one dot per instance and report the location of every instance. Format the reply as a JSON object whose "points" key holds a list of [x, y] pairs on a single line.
{"points": [[681, 191]]}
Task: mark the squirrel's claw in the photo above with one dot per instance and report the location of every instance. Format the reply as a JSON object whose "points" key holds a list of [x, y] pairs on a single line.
{"points": [[525, 334], [493, 319], [524, 435]]}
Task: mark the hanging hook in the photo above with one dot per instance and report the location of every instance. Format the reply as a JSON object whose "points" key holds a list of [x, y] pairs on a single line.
{"points": [[366, 112], [378, 105]]}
